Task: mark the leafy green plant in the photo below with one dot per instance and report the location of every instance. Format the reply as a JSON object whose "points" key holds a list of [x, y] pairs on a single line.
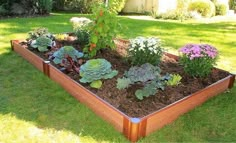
{"points": [[198, 59], [205, 7], [102, 31], [116, 5], [174, 80], [67, 57], [42, 43], [82, 37], [221, 9], [147, 75], [64, 52], [41, 31], [94, 70], [145, 50]]}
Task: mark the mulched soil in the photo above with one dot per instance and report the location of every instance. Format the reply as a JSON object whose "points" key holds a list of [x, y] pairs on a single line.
{"points": [[125, 99]]}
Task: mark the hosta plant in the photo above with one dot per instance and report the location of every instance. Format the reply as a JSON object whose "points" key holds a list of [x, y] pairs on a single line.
{"points": [[174, 80], [94, 70], [198, 59], [42, 43], [147, 75], [145, 50]]}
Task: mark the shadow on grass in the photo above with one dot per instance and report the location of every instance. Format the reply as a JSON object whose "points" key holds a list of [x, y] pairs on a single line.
{"points": [[30, 96]]}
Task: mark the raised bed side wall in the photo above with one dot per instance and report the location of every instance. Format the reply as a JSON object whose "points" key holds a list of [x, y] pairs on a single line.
{"points": [[132, 128]]}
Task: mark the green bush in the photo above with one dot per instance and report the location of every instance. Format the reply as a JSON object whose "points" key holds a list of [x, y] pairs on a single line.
{"points": [[117, 5], [175, 15], [205, 7], [45, 6], [25, 7], [221, 9], [232, 4]]}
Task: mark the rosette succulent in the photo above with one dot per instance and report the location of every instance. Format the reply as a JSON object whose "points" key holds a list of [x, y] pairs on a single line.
{"points": [[64, 52], [94, 70], [42, 43]]}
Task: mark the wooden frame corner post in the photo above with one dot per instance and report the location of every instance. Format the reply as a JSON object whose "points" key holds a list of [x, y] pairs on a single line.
{"points": [[134, 128]]}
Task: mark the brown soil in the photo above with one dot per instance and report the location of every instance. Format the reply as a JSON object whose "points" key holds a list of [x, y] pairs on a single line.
{"points": [[125, 99]]}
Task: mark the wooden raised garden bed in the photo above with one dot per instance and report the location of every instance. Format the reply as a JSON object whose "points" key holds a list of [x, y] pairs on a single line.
{"points": [[133, 128]]}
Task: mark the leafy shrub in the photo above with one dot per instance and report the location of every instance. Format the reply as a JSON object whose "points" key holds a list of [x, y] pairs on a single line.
{"points": [[116, 5], [103, 30], [180, 13], [232, 4], [94, 70], [145, 50], [198, 59], [42, 43], [205, 7], [26, 7], [146, 74], [64, 52], [45, 6], [221, 9], [174, 80], [175, 15]]}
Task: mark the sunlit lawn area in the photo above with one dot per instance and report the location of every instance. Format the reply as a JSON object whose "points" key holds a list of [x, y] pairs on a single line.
{"points": [[35, 109]]}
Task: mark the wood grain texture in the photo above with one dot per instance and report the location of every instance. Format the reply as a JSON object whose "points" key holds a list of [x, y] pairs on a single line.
{"points": [[167, 115], [28, 55], [99, 106]]}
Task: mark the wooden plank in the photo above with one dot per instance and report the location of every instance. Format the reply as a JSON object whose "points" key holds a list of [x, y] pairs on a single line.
{"points": [[167, 115], [28, 55], [99, 106]]}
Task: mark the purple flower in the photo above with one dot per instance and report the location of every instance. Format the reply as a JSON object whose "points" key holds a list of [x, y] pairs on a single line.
{"points": [[193, 51]]}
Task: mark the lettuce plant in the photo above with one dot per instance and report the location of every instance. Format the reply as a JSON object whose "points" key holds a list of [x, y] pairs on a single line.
{"points": [[94, 70], [198, 59], [146, 74], [42, 43], [174, 80]]}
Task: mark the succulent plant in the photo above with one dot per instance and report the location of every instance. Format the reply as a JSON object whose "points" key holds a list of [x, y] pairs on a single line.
{"points": [[146, 74], [64, 52], [94, 70], [42, 43]]}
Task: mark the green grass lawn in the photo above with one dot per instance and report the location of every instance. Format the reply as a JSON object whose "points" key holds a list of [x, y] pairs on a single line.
{"points": [[35, 109]]}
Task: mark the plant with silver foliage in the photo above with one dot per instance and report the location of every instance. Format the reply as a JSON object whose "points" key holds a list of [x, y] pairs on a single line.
{"points": [[146, 74], [94, 70], [64, 52], [42, 43]]}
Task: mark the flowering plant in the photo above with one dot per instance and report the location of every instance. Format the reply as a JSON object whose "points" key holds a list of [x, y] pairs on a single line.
{"points": [[198, 59], [145, 50]]}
